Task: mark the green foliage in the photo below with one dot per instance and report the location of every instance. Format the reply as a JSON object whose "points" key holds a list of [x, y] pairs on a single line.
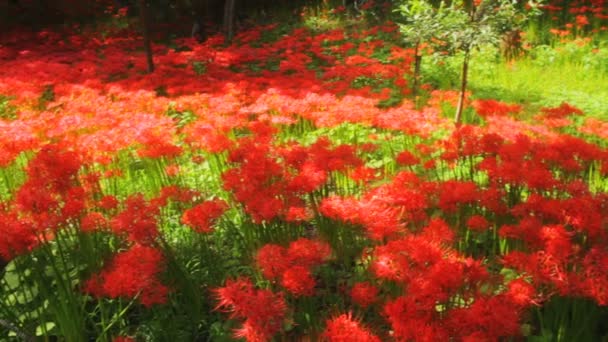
{"points": [[200, 68], [7, 110], [545, 77], [48, 95], [421, 21], [181, 118]]}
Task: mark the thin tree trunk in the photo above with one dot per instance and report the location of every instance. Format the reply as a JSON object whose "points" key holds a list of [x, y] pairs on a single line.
{"points": [[463, 89], [417, 62], [229, 20], [143, 15]]}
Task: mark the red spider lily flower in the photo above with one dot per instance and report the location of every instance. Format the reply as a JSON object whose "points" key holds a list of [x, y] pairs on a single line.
{"points": [[55, 166], [131, 273], [401, 260], [297, 214], [175, 193], [16, 237], [310, 178], [338, 10], [478, 223], [74, 203], [526, 230], [172, 170], [308, 253], [34, 197], [581, 20], [456, 193], [364, 294], [202, 216], [203, 135], [157, 147], [543, 268], [438, 231], [344, 328], [557, 241], [337, 208], [123, 339], [487, 319], [108, 202], [596, 127], [263, 310], [562, 111], [595, 279], [93, 222], [492, 199], [298, 281], [338, 159], [273, 260], [492, 107], [407, 158], [138, 220], [378, 218], [521, 293], [429, 164], [363, 174], [411, 321]]}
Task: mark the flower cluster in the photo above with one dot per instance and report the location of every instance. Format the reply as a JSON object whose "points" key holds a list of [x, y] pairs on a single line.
{"points": [[131, 274], [263, 310], [293, 265]]}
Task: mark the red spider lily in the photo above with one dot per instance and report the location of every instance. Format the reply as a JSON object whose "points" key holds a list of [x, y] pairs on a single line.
{"points": [[157, 147], [488, 318], [298, 280], [378, 218], [410, 321], [407, 158], [345, 328], [203, 215], [593, 126], [138, 221], [293, 265], [364, 294], [456, 193], [16, 237], [521, 293], [263, 310], [594, 280], [308, 253], [131, 273], [93, 222], [492, 107], [477, 223], [108, 202], [123, 339], [272, 260]]}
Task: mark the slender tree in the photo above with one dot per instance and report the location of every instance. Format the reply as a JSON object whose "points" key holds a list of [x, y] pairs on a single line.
{"points": [[421, 23], [143, 15], [471, 24], [463, 25], [229, 9]]}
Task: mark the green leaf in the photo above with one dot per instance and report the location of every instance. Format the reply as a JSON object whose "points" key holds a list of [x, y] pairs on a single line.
{"points": [[11, 279], [45, 327]]}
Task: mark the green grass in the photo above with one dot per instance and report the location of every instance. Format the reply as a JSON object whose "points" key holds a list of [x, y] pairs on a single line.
{"points": [[546, 76], [525, 82]]}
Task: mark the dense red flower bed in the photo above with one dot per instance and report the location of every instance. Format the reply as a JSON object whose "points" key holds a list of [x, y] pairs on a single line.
{"points": [[424, 218]]}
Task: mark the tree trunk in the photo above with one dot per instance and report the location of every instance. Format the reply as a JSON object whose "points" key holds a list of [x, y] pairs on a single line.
{"points": [[417, 62], [463, 89], [229, 20], [143, 16]]}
